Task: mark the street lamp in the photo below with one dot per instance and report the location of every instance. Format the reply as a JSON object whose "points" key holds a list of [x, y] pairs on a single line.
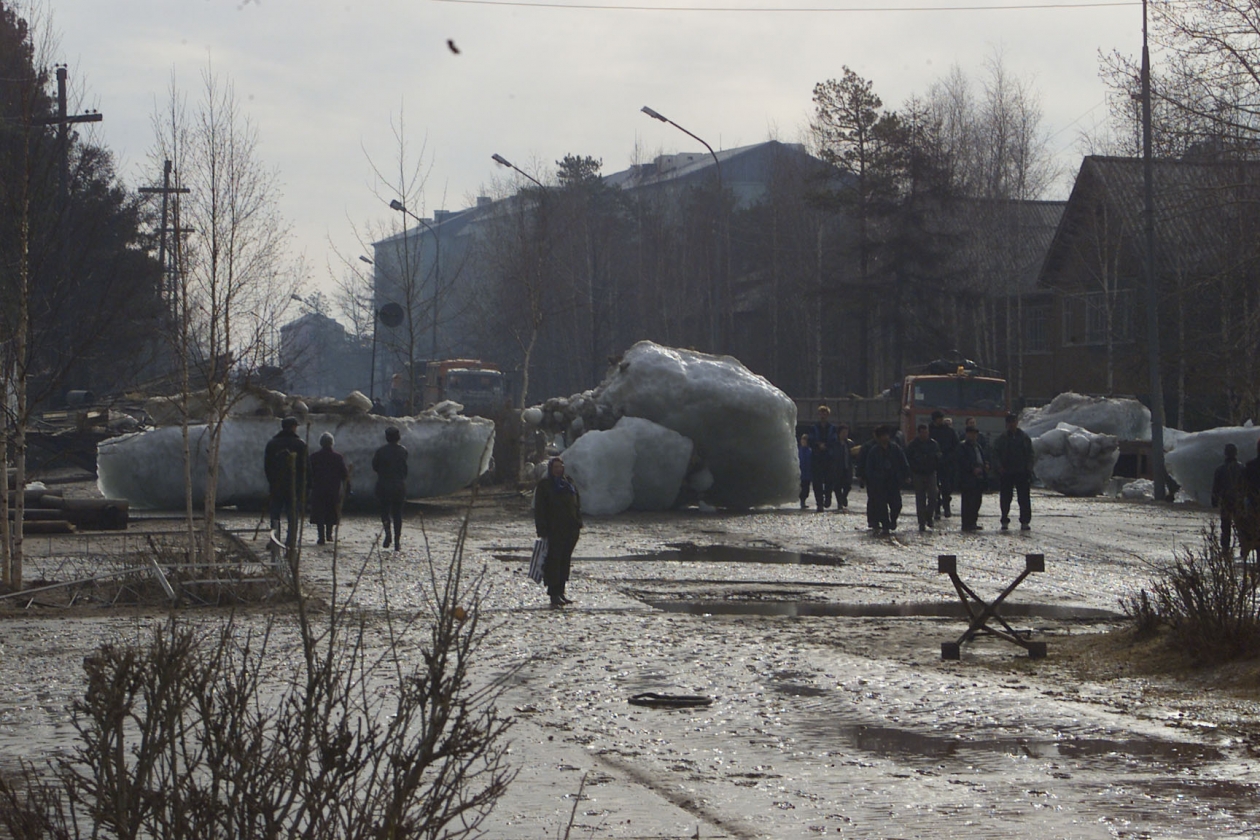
{"points": [[395, 204], [717, 324], [502, 161], [375, 319], [658, 116]]}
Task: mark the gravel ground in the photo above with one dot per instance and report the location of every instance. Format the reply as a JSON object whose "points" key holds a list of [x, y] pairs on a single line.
{"points": [[831, 716]]}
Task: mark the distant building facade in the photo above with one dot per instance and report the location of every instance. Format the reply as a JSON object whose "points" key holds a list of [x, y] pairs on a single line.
{"points": [[320, 359], [1091, 296]]}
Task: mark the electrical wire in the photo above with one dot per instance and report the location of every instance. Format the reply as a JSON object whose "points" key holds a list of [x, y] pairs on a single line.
{"points": [[625, 7]]}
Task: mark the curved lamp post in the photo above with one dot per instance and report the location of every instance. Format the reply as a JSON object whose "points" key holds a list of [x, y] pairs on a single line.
{"points": [[437, 267], [502, 161], [375, 320], [656, 115], [721, 295]]}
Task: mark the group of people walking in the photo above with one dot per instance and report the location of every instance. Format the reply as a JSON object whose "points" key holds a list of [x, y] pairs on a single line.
{"points": [[936, 463], [1236, 491], [826, 460], [321, 481]]}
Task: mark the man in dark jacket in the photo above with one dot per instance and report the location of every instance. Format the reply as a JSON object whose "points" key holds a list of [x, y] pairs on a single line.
{"points": [[805, 459], [1227, 493], [823, 442], [972, 478], [558, 520], [285, 462], [1013, 454], [924, 456], [390, 465], [842, 460], [1249, 523], [947, 439], [885, 469]]}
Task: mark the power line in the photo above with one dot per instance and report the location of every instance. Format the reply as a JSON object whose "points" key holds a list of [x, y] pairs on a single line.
{"points": [[625, 7]]}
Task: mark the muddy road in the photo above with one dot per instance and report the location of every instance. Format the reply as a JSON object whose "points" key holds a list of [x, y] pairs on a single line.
{"points": [[833, 712]]}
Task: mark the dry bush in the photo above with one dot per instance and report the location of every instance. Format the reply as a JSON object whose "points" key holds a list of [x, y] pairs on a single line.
{"points": [[280, 731], [1207, 599], [1140, 609]]}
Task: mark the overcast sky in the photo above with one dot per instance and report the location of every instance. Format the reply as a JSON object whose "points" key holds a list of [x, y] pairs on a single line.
{"points": [[323, 80]]}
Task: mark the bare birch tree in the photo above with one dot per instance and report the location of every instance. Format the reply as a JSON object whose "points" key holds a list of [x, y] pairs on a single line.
{"points": [[237, 275]]}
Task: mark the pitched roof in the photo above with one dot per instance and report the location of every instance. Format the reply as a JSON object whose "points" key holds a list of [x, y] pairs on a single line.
{"points": [[686, 165], [999, 245], [1200, 207]]}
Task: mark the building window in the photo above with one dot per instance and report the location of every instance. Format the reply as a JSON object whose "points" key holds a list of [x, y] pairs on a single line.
{"points": [[1086, 317], [1036, 327]]}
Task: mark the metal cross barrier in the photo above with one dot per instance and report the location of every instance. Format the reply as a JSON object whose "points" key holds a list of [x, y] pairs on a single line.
{"points": [[981, 612]]}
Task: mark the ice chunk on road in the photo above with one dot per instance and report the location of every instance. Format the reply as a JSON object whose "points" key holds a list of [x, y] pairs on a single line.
{"points": [[661, 458], [1075, 461], [743, 428], [637, 464], [1126, 419], [1194, 460], [146, 468], [601, 464]]}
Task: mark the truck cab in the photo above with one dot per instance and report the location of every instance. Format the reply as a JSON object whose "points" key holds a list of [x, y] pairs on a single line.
{"points": [[478, 386], [959, 394]]}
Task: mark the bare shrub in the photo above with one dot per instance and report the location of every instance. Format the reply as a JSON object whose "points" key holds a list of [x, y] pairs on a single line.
{"points": [[270, 730], [1140, 609], [1207, 599]]}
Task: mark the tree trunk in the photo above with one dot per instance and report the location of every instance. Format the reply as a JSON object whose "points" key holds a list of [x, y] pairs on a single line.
{"points": [[21, 407], [818, 310]]}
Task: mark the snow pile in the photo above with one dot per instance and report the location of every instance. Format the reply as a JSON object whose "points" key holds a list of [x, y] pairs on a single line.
{"points": [[146, 468], [743, 428], [1075, 461], [1197, 455], [1141, 488], [637, 464], [250, 401], [1123, 418]]}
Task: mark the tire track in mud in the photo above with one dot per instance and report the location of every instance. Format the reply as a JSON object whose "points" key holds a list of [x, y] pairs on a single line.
{"points": [[730, 827]]}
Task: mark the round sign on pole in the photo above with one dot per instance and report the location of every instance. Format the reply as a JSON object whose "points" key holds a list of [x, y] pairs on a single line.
{"points": [[391, 314]]}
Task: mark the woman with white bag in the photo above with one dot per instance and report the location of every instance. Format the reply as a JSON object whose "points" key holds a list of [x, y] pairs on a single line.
{"points": [[557, 519]]}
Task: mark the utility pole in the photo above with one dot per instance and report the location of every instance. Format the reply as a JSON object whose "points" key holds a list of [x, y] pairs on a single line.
{"points": [[1152, 294], [165, 255], [63, 121]]}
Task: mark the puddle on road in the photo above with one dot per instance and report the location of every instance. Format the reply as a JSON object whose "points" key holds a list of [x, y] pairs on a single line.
{"points": [[828, 609], [726, 554], [706, 554], [1085, 752]]}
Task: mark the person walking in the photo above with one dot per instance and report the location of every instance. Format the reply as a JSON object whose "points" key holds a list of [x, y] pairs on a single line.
{"points": [[885, 469], [1014, 458], [973, 472], [805, 456], [981, 438], [823, 441], [286, 464], [1227, 494], [842, 461], [924, 457], [859, 471], [330, 484], [558, 520], [390, 465], [1248, 525], [946, 477]]}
